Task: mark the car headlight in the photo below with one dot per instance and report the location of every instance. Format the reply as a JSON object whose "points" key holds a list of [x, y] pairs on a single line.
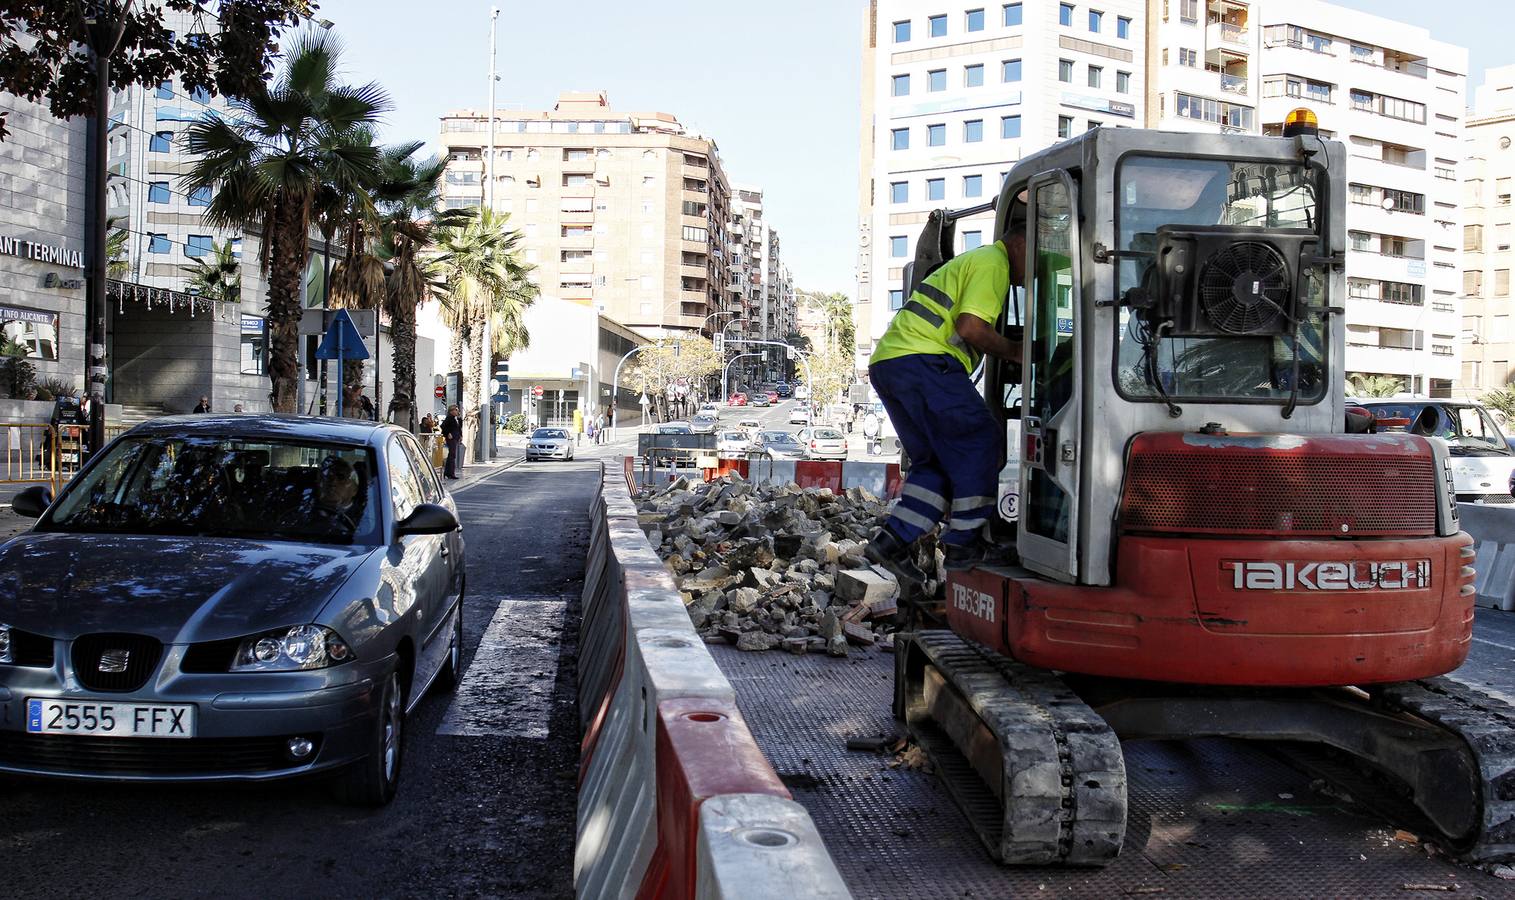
{"points": [[291, 650], [5, 645]]}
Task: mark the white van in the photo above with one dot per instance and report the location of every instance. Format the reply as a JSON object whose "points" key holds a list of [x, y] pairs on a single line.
{"points": [[1482, 460]]}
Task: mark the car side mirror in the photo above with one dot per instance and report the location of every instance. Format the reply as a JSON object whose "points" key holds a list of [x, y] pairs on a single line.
{"points": [[427, 518], [32, 502]]}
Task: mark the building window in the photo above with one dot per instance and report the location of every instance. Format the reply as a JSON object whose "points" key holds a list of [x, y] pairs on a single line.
{"points": [[1123, 82], [973, 131], [1012, 14], [1502, 236], [936, 26], [896, 298], [899, 138], [973, 185], [1064, 126], [198, 245], [902, 31], [936, 189], [1065, 70], [898, 246], [899, 86], [1187, 57], [1188, 11], [936, 80], [936, 135], [200, 96], [158, 243], [1122, 27], [200, 196], [1472, 238], [1010, 126], [166, 91], [157, 192], [972, 239], [1214, 111], [973, 76], [899, 192], [1472, 282], [161, 142], [974, 20], [1501, 282], [1065, 14], [1096, 75], [1096, 19], [1010, 70]]}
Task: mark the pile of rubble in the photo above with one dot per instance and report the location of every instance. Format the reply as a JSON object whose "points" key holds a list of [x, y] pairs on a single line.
{"points": [[774, 567]]}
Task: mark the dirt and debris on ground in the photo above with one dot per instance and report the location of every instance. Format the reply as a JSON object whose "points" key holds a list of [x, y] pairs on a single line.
{"points": [[776, 567]]}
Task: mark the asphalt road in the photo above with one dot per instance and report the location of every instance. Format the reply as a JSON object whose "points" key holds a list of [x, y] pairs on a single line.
{"points": [[487, 802]]}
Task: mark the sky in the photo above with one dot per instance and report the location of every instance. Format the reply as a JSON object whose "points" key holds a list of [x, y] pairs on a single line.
{"points": [[775, 83]]}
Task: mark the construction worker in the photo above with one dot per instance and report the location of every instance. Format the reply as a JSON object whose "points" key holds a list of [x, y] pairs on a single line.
{"points": [[921, 370]]}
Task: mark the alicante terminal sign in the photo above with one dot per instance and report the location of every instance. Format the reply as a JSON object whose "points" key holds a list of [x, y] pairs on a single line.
{"points": [[48, 253]]}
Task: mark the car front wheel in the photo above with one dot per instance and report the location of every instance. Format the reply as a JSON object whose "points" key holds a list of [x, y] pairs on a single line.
{"points": [[452, 670], [373, 780]]}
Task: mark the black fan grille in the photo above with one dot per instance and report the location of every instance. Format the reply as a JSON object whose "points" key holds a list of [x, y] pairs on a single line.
{"points": [[1245, 311]]}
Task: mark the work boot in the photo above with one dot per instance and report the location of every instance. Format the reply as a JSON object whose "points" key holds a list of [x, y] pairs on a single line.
{"points": [[961, 557], [887, 550]]}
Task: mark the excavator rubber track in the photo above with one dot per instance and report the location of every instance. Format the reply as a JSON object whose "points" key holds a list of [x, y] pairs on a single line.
{"points": [[1488, 726], [1038, 773]]}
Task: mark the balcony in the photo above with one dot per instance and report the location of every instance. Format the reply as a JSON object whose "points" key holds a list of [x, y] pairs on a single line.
{"points": [[1230, 35]]}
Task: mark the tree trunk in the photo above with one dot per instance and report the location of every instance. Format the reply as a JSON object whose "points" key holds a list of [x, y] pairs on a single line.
{"points": [[287, 258], [402, 330]]}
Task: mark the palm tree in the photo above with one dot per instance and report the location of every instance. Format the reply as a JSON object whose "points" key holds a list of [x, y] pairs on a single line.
{"points": [[1376, 385], [479, 279], [268, 161], [116, 265], [217, 276]]}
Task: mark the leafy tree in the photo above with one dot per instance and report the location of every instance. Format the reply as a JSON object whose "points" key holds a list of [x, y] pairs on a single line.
{"points": [[1376, 385], [229, 50], [270, 161], [478, 277], [116, 265], [1502, 401], [659, 368], [217, 276], [838, 312]]}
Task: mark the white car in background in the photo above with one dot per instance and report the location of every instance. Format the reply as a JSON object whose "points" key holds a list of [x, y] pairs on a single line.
{"points": [[823, 442], [800, 415], [708, 409], [732, 443], [704, 423], [549, 443]]}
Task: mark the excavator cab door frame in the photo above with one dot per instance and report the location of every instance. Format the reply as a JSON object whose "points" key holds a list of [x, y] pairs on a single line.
{"points": [[1051, 422]]}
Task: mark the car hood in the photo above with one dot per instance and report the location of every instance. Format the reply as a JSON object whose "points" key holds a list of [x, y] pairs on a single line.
{"points": [[177, 589]]}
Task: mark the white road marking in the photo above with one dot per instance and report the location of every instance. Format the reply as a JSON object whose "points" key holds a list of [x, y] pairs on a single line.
{"points": [[507, 688], [1494, 644], [1482, 688]]}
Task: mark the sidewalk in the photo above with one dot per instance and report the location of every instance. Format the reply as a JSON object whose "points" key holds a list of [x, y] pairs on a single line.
{"points": [[474, 472]]}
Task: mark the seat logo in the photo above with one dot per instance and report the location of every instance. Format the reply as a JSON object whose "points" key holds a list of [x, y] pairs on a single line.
{"points": [[1356, 575], [974, 603], [113, 662]]}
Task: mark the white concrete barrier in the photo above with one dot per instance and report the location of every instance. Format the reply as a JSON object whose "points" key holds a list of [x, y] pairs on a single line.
{"points": [[663, 739], [1493, 531]]}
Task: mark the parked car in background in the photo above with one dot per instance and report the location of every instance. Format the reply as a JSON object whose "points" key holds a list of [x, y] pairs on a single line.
{"points": [[737, 399], [778, 445], [704, 423], [549, 443], [238, 598], [758, 400], [1483, 464], [732, 443], [823, 442]]}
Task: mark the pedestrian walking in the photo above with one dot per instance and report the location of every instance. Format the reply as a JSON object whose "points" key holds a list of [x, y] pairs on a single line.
{"points": [[452, 435], [600, 424], [204, 405]]}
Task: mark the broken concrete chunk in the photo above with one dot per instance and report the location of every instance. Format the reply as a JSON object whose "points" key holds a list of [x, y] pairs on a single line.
{"points": [[865, 586], [757, 640], [836, 645]]}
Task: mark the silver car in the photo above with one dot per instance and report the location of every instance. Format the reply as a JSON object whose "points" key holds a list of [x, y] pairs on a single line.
{"points": [[732, 443], [549, 443], [703, 424], [231, 598], [778, 445], [823, 443]]}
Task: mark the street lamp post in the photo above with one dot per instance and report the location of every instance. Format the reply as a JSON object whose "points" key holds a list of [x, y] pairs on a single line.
{"points": [[726, 371], [104, 22]]}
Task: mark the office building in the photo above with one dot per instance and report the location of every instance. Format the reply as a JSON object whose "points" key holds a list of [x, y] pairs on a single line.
{"points": [[1486, 175]]}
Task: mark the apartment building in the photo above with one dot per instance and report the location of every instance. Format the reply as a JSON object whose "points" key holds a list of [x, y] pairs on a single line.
{"points": [[1202, 58], [954, 93], [1487, 170], [623, 211], [146, 158], [1395, 97]]}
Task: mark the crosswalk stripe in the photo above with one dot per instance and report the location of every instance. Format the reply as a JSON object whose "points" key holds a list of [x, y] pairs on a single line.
{"points": [[508, 686]]}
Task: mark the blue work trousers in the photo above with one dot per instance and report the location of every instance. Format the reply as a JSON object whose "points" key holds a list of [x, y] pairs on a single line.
{"points": [[956, 447]]}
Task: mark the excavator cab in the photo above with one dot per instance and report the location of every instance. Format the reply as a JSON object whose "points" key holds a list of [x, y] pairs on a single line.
{"points": [[1203, 548]]}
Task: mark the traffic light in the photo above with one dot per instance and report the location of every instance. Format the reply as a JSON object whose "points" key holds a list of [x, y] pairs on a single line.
{"points": [[719, 340]]}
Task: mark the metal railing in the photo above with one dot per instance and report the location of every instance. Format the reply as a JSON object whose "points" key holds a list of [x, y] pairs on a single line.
{"points": [[38, 453]]}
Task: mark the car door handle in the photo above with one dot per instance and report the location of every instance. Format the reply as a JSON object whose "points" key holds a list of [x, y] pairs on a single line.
{"points": [[446, 552]]}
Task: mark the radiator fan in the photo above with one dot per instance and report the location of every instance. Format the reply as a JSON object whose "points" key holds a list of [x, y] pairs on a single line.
{"points": [[1244, 289]]}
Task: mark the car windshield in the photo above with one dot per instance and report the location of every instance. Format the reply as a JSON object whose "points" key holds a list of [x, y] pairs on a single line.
{"points": [[777, 437], [544, 434], [1469, 430], [827, 434], [733, 436], [704, 420], [673, 429], [225, 487], [1184, 191]]}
